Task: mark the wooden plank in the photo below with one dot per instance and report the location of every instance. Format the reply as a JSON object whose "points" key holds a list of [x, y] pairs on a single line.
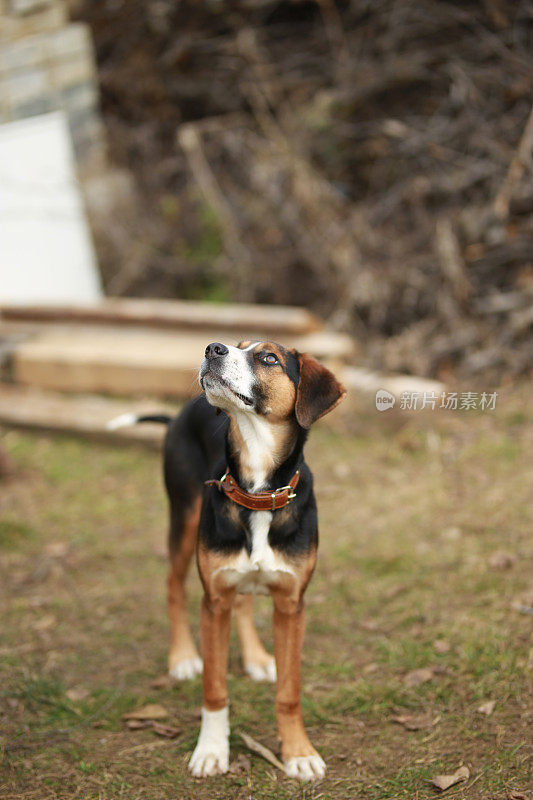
{"points": [[115, 362], [240, 319], [34, 409]]}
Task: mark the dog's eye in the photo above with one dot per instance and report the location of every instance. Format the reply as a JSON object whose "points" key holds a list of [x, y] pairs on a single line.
{"points": [[270, 358]]}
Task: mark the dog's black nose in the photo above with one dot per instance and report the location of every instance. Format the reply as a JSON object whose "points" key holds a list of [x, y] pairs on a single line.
{"points": [[216, 349]]}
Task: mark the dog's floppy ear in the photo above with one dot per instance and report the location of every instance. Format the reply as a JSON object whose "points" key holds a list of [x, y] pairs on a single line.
{"points": [[318, 391]]}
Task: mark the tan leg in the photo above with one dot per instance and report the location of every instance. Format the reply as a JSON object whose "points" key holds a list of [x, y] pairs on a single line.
{"points": [[183, 661], [215, 627], [259, 664], [298, 754], [211, 755]]}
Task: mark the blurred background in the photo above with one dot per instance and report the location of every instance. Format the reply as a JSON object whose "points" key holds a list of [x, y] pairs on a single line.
{"points": [[370, 161]]}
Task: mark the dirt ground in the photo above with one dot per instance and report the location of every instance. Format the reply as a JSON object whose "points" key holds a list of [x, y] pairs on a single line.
{"points": [[418, 652]]}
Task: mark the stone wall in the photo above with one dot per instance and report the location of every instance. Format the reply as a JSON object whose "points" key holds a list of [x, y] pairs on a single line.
{"points": [[47, 64]]}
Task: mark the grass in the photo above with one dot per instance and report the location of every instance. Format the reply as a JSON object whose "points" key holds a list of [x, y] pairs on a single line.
{"points": [[413, 517]]}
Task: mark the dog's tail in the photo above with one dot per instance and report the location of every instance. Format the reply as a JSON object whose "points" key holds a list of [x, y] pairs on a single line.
{"points": [[132, 419]]}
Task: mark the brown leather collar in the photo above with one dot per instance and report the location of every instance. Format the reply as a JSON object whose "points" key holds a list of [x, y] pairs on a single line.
{"points": [[261, 501]]}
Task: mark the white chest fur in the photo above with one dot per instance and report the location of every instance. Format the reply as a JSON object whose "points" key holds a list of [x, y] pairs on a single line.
{"points": [[258, 446], [254, 573]]}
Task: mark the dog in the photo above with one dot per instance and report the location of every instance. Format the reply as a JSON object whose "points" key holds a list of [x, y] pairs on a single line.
{"points": [[241, 495]]}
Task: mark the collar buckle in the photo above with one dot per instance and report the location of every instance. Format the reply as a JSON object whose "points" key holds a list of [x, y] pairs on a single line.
{"points": [[291, 493]]}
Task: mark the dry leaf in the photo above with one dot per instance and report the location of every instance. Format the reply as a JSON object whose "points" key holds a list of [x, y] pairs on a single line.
{"points": [[415, 722], [56, 549], [441, 646], [372, 667], [487, 708], [240, 766], [77, 694], [261, 750], [163, 682], [45, 623], [527, 596], [515, 794], [138, 724], [501, 560], [394, 591], [150, 711], [168, 731], [444, 782], [524, 602], [521, 608], [36, 601], [418, 676], [140, 748], [369, 625], [451, 534]]}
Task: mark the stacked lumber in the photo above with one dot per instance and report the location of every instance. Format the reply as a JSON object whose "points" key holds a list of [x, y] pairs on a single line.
{"points": [[139, 348], [58, 359]]}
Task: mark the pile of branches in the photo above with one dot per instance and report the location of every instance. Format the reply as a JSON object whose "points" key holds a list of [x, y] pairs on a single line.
{"points": [[369, 159]]}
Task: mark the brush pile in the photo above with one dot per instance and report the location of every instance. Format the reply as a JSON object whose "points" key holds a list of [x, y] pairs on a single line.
{"points": [[371, 160]]}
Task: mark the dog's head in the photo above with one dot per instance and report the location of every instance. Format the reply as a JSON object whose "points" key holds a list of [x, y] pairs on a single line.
{"points": [[267, 379]]}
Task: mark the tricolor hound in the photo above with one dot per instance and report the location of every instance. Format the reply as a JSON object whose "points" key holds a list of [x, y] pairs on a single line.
{"points": [[241, 496]]}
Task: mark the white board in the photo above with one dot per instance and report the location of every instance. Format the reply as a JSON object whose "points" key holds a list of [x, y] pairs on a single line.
{"points": [[46, 252]]}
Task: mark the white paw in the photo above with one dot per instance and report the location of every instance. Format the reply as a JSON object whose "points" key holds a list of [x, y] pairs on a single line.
{"points": [[211, 756], [186, 669], [257, 672], [207, 761], [306, 768]]}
